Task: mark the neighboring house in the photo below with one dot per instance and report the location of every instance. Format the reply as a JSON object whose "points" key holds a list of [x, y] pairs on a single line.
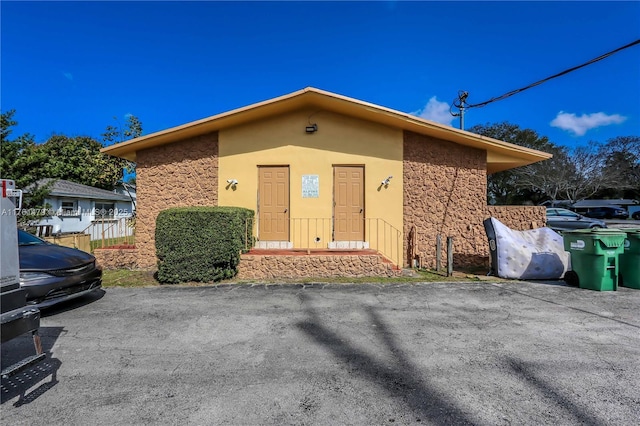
{"points": [[323, 170], [129, 190], [74, 207]]}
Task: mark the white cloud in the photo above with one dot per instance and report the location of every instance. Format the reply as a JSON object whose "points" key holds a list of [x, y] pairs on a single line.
{"points": [[68, 76], [436, 111], [579, 125]]}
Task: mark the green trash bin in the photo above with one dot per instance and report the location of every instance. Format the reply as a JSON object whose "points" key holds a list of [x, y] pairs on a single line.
{"points": [[595, 257], [630, 260]]}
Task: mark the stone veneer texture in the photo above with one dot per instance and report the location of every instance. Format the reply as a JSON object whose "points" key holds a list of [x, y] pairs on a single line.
{"points": [[520, 218], [179, 174], [283, 266], [117, 258], [445, 189], [445, 193]]}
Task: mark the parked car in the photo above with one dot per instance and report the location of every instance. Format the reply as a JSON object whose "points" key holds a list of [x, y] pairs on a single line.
{"points": [[607, 212], [566, 220], [51, 273], [636, 215]]}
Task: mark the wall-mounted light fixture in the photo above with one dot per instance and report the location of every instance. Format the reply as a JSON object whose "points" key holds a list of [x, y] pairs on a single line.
{"points": [[312, 128], [231, 183], [386, 182]]}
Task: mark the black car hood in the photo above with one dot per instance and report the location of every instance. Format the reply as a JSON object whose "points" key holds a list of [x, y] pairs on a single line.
{"points": [[40, 257]]}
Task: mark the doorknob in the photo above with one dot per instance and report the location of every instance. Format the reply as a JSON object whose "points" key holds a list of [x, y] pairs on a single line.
{"points": [[286, 210], [361, 210]]}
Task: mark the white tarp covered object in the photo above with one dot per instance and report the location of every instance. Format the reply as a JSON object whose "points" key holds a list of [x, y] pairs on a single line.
{"points": [[537, 254]]}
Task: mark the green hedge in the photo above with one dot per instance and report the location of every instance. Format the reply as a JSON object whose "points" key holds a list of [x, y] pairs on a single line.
{"points": [[201, 243]]}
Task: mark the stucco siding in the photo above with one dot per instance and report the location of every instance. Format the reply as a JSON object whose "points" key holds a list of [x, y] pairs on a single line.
{"points": [[339, 140], [438, 188], [68, 222], [445, 187], [180, 174]]}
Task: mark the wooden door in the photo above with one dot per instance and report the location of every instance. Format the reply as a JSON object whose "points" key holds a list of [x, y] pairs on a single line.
{"points": [[273, 203], [348, 201]]}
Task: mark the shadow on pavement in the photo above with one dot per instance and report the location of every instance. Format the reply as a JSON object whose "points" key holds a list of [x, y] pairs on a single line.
{"points": [[526, 373], [400, 379], [73, 303], [20, 348], [553, 302]]}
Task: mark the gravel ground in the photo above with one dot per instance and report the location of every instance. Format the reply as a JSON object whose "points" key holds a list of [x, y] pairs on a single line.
{"points": [[439, 353]]}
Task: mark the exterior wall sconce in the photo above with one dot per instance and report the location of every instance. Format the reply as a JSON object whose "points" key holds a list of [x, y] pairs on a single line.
{"points": [[386, 182], [231, 183], [311, 128]]}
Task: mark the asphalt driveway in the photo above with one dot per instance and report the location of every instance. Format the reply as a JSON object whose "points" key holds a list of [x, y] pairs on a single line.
{"points": [[455, 353]]}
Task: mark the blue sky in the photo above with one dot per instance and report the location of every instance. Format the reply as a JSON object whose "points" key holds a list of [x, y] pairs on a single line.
{"points": [[70, 67]]}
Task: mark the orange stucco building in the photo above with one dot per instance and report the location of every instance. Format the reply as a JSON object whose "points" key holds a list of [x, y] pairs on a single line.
{"points": [[324, 171]]}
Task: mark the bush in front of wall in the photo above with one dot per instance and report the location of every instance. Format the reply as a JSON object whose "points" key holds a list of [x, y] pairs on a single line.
{"points": [[201, 244]]}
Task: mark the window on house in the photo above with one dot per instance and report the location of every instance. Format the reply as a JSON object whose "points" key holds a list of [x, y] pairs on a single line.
{"points": [[69, 208], [105, 210]]}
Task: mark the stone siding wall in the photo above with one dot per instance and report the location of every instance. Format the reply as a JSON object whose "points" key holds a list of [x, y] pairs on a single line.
{"points": [[445, 188], [117, 258], [256, 267], [179, 174], [445, 193], [520, 218]]}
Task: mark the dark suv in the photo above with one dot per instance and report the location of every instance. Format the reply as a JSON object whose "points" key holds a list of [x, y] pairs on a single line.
{"points": [[610, 212]]}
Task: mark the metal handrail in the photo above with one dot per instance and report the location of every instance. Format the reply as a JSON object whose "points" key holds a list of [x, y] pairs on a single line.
{"points": [[312, 233]]}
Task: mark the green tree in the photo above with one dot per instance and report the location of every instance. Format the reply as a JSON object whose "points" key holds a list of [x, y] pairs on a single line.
{"points": [[113, 134], [610, 170], [622, 163], [534, 183], [19, 161], [17, 154], [132, 129], [6, 123], [600, 170], [77, 159], [548, 179]]}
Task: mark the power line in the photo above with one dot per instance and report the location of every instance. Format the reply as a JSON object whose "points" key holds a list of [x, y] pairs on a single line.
{"points": [[461, 104], [513, 92]]}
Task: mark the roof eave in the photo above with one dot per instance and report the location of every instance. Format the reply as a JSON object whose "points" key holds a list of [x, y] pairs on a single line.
{"points": [[127, 149], [337, 103], [87, 196]]}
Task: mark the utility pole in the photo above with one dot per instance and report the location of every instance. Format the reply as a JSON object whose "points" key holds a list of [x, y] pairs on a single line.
{"points": [[460, 104], [461, 101]]}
